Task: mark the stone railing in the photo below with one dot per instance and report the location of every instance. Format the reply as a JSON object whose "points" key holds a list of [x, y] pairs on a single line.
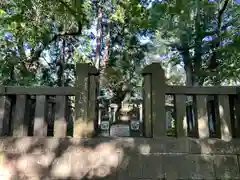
{"points": [[205, 146]]}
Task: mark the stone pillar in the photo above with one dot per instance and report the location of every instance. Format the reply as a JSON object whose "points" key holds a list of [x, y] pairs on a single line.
{"points": [[154, 101], [181, 116], [237, 110], [85, 100], [225, 118], [93, 93], [60, 117], [20, 123], [5, 114], [40, 123]]}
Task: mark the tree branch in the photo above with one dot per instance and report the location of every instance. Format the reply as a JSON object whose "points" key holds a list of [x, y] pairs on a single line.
{"points": [[216, 43], [223, 28], [38, 51]]}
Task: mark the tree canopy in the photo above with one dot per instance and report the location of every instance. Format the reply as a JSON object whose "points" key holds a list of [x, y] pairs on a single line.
{"points": [[197, 42]]}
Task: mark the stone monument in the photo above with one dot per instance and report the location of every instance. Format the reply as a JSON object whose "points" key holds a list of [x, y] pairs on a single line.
{"points": [[121, 126]]}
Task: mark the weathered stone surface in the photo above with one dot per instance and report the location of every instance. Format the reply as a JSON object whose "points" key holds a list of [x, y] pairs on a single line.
{"points": [[120, 130], [30, 144], [226, 166], [213, 146], [173, 146], [152, 166], [226, 147], [130, 167], [195, 166], [171, 165], [147, 144], [199, 146], [164, 145], [119, 158]]}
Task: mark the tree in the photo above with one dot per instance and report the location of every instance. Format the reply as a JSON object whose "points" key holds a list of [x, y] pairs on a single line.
{"points": [[39, 24], [196, 30], [123, 54]]}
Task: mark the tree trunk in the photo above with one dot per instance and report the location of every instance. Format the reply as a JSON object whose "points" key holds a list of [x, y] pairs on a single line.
{"points": [[198, 47], [61, 66], [188, 67], [189, 75], [99, 38], [103, 80]]}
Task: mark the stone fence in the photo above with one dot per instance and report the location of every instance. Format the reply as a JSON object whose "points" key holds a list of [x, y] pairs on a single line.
{"points": [[205, 146]]}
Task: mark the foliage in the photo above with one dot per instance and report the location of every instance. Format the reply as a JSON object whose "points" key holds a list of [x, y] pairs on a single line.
{"points": [[202, 33], [41, 41], [126, 53], [37, 24]]}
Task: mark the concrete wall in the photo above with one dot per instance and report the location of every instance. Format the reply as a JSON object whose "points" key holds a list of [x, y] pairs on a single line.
{"points": [[120, 158]]}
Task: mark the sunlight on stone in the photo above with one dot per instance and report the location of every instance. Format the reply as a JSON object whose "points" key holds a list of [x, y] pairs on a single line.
{"points": [[144, 149], [221, 111], [60, 126], [104, 158], [5, 174], [185, 125], [125, 142], [46, 160], [75, 141], [148, 95], [28, 165], [86, 162], [76, 161], [6, 169], [225, 132], [83, 128], [25, 143], [205, 148], [203, 127], [61, 169], [1, 112], [51, 143], [39, 126], [211, 141]]}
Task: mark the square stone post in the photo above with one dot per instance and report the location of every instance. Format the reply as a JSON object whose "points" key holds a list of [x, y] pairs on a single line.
{"points": [[5, 114], [20, 121], [60, 117], [225, 118], [85, 100], [92, 100], [154, 101], [40, 122], [237, 110]]}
